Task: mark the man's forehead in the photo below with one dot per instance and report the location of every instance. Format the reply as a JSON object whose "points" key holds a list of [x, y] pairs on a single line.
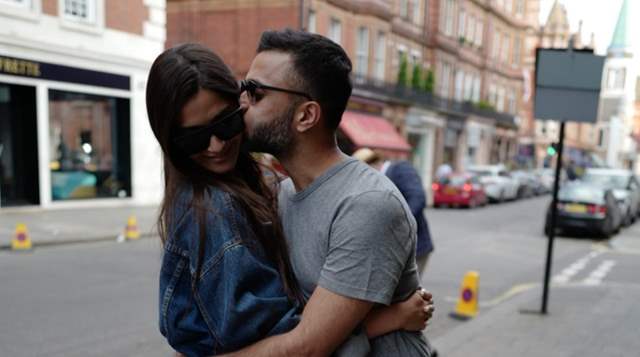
{"points": [[270, 67]]}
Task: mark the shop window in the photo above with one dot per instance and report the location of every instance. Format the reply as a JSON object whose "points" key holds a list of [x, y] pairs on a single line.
{"points": [[18, 3], [89, 138]]}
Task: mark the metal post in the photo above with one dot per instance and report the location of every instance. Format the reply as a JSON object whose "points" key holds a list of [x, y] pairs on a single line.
{"points": [[554, 214]]}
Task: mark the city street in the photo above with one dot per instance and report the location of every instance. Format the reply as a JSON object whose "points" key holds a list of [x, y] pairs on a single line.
{"points": [[99, 299]]}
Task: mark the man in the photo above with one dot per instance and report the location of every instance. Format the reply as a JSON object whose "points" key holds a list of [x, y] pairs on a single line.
{"points": [[408, 181], [334, 208]]}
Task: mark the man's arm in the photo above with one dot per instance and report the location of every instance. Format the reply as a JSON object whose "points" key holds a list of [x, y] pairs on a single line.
{"points": [[327, 320]]}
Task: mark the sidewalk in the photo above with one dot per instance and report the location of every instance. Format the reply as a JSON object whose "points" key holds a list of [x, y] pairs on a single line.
{"points": [[59, 226], [583, 321]]}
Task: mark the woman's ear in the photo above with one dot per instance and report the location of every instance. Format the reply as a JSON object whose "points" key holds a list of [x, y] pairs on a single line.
{"points": [[307, 116]]}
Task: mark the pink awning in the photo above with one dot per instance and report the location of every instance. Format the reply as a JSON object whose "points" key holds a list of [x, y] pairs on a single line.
{"points": [[372, 132]]}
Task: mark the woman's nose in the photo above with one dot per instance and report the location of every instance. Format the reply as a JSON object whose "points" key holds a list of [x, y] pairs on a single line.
{"points": [[215, 144]]}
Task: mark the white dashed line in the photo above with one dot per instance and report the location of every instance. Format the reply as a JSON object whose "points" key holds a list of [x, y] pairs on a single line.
{"points": [[596, 276], [574, 268]]}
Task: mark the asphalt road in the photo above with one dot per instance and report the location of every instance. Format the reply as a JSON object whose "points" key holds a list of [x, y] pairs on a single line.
{"points": [[100, 299]]}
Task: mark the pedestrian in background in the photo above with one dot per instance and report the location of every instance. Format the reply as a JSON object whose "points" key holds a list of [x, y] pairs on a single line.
{"points": [[408, 181]]}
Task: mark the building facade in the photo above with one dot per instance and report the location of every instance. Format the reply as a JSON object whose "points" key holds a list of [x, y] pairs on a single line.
{"points": [[435, 70], [73, 127]]}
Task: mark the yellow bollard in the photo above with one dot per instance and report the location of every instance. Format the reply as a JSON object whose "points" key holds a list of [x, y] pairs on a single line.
{"points": [[131, 231], [467, 306], [21, 241]]}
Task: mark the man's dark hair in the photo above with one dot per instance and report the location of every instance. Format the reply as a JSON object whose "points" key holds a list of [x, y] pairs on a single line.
{"points": [[322, 68]]}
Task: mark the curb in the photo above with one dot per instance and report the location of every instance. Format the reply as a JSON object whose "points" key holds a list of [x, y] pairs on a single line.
{"points": [[70, 241]]}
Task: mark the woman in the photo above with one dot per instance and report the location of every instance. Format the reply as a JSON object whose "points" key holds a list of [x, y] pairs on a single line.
{"points": [[225, 280]]}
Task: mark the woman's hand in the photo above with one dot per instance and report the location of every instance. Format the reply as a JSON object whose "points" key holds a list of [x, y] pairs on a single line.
{"points": [[415, 312]]}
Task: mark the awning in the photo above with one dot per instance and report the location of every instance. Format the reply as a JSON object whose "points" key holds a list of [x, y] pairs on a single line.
{"points": [[372, 132]]}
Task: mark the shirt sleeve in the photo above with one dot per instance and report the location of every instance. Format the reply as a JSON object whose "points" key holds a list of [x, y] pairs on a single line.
{"points": [[371, 241]]}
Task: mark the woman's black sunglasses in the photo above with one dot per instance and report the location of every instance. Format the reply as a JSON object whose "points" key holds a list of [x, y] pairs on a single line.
{"points": [[224, 126], [250, 86]]}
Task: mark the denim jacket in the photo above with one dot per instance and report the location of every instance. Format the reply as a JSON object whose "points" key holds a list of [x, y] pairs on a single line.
{"points": [[239, 298]]}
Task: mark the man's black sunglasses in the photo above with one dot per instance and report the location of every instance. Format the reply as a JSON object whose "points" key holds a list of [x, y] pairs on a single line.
{"points": [[250, 86], [224, 126]]}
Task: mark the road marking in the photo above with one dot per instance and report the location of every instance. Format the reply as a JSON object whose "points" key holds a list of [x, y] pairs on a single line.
{"points": [[612, 248], [596, 276], [570, 271]]}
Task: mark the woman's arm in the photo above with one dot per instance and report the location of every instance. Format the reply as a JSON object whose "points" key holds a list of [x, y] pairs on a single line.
{"points": [[411, 314]]}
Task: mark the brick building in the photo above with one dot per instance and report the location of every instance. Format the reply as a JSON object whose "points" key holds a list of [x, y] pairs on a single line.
{"points": [[472, 48], [72, 83]]}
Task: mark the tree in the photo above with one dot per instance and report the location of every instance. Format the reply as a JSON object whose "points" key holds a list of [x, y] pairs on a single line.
{"points": [[403, 79], [429, 81], [416, 78]]}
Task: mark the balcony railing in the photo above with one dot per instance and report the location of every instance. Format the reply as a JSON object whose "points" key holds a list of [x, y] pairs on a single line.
{"points": [[430, 100]]}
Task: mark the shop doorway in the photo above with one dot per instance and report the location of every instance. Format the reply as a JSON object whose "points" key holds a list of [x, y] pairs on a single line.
{"points": [[19, 183]]}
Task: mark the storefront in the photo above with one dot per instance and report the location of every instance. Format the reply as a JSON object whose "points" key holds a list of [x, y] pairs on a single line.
{"points": [[67, 135]]}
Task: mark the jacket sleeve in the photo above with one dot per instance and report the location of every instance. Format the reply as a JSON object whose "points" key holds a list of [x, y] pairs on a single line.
{"points": [[239, 293], [406, 178]]}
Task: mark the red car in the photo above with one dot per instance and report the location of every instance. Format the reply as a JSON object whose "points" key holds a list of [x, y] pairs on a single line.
{"points": [[459, 190]]}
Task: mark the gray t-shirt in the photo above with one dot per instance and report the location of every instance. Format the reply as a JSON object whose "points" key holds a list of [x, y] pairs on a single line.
{"points": [[352, 233]]}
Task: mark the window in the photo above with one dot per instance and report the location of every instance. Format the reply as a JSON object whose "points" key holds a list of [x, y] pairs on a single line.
{"points": [[479, 32], [461, 23], [26, 4], [520, 7], [504, 55], [335, 30], [468, 87], [492, 96], [80, 10], [471, 27], [616, 78], [311, 27], [90, 146], [512, 103], [446, 78], [517, 49], [508, 6], [495, 50], [362, 52], [404, 8], [380, 55], [501, 100], [459, 85], [476, 89], [448, 17], [416, 12]]}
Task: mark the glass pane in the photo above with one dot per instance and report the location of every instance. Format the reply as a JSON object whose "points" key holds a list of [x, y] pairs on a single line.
{"points": [[90, 146]]}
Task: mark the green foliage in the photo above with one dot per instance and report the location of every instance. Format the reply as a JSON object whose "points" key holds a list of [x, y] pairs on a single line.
{"points": [[483, 104], [416, 78], [429, 81], [403, 79]]}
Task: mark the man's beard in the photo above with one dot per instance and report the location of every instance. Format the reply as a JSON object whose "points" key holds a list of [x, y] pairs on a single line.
{"points": [[274, 137]]}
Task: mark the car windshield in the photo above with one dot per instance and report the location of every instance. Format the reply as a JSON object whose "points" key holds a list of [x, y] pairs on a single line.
{"points": [[580, 193], [607, 180]]}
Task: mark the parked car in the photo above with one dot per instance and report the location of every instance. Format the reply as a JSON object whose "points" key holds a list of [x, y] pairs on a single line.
{"points": [[459, 190], [547, 176], [588, 208], [529, 185], [625, 185], [498, 183]]}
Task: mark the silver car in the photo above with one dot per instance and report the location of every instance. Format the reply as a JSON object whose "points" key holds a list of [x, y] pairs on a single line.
{"points": [[625, 185]]}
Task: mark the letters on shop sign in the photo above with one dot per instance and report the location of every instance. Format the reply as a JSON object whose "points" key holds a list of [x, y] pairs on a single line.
{"points": [[19, 67]]}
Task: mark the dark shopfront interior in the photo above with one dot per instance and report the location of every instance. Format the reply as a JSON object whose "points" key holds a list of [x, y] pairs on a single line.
{"points": [[18, 146]]}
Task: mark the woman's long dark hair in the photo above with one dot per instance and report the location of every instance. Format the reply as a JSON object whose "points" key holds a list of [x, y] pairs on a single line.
{"points": [[176, 76]]}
